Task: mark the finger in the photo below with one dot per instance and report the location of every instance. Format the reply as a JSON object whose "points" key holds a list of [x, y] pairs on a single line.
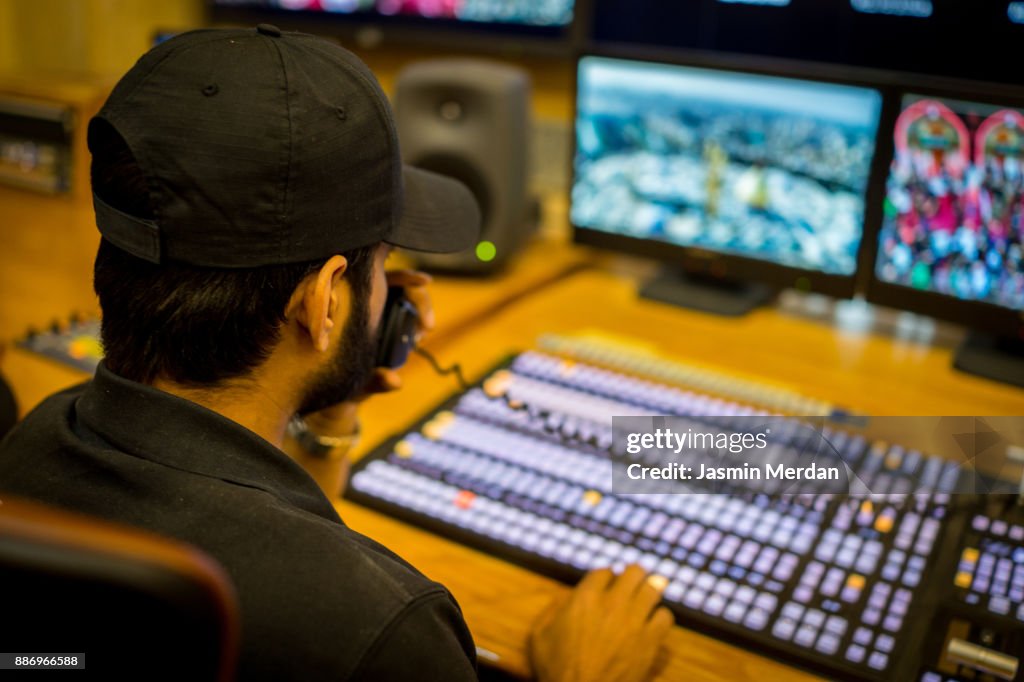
{"points": [[661, 622], [648, 595], [383, 380], [596, 581], [419, 296], [408, 278], [556, 604], [630, 581]]}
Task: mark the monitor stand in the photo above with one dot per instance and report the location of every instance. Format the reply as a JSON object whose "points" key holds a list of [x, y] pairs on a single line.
{"points": [[728, 297], [1000, 358]]}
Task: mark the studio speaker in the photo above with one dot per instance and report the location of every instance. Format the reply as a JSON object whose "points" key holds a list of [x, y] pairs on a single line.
{"points": [[469, 119]]}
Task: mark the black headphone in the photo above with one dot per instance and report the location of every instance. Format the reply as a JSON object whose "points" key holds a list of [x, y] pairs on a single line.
{"points": [[397, 330]]}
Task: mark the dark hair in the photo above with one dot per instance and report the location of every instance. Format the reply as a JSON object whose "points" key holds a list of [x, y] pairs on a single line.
{"points": [[193, 325]]}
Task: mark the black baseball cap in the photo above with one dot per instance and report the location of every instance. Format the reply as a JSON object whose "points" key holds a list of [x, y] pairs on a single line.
{"points": [[260, 147]]}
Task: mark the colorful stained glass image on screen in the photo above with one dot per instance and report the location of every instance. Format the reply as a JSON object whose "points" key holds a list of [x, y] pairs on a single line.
{"points": [[758, 166], [524, 12], [955, 202]]}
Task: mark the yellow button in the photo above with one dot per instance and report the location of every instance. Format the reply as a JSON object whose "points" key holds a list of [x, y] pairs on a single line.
{"points": [[970, 555], [498, 383], [855, 581], [963, 579], [592, 497], [866, 507], [403, 449], [434, 429], [883, 524]]}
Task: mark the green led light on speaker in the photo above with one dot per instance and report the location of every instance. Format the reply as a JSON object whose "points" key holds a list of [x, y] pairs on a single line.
{"points": [[486, 251]]}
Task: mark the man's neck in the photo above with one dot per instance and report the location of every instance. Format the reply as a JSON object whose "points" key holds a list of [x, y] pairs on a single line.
{"points": [[251, 403]]}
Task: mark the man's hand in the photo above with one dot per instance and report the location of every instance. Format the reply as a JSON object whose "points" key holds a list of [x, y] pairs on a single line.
{"points": [[415, 284], [609, 628]]}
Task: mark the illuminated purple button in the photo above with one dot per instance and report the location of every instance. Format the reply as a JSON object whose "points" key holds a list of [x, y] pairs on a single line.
{"points": [[756, 619], [725, 587], [827, 644], [803, 594], [931, 677], [814, 618], [892, 623], [878, 660], [862, 636], [836, 625], [675, 591], [999, 605], [686, 575], [694, 598], [911, 578], [766, 601], [1017, 533], [783, 629], [805, 635], [998, 528], [714, 605], [745, 594], [850, 594], [792, 610], [885, 643], [855, 653], [734, 612]]}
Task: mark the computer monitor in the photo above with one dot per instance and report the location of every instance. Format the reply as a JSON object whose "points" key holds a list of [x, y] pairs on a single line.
{"points": [[944, 38], [491, 25], [743, 176], [951, 233]]}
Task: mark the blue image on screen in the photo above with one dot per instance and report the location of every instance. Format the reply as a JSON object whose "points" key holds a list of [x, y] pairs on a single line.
{"points": [[763, 167], [953, 217]]}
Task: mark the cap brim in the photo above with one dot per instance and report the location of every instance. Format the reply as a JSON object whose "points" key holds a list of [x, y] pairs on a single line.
{"points": [[440, 214]]}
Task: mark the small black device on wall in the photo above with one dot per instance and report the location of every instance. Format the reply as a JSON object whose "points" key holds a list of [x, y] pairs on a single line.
{"points": [[469, 119]]}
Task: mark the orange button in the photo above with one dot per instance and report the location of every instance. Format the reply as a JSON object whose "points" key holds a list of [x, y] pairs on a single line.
{"points": [[970, 555], [962, 579], [464, 499], [855, 581]]}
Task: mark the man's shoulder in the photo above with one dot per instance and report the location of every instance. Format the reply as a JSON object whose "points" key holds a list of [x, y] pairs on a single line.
{"points": [[310, 586]]}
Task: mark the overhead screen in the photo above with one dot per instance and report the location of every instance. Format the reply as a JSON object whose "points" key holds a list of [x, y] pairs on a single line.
{"points": [[954, 208], [957, 38], [551, 13], [768, 168]]}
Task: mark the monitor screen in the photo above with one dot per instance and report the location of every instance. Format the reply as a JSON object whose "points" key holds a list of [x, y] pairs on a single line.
{"points": [[954, 202], [552, 13], [768, 168], [954, 38]]}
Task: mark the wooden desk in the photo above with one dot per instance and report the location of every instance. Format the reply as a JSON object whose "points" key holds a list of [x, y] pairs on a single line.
{"points": [[870, 374]]}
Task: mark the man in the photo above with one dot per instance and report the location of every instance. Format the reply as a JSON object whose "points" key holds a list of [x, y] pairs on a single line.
{"points": [[248, 187]]}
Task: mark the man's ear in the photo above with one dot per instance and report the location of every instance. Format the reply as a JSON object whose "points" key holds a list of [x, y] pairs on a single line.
{"points": [[314, 305]]}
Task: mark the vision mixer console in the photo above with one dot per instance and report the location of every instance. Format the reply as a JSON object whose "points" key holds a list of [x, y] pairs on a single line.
{"points": [[889, 586]]}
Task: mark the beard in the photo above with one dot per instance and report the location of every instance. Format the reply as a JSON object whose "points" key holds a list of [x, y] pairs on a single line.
{"points": [[349, 370]]}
